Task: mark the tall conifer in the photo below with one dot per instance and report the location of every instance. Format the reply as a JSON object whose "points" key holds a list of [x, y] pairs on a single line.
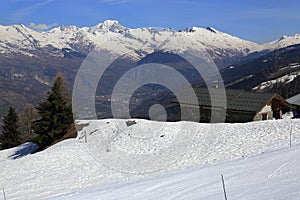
{"points": [[55, 114]]}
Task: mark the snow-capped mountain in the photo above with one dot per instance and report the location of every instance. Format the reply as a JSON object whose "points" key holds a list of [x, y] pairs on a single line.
{"points": [[111, 35], [225, 49], [19, 38]]}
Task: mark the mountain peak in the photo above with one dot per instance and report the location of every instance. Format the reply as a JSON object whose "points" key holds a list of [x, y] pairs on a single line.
{"points": [[110, 25]]}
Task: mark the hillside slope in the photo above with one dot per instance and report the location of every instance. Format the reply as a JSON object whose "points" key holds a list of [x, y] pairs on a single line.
{"points": [[115, 152], [277, 71], [268, 176]]}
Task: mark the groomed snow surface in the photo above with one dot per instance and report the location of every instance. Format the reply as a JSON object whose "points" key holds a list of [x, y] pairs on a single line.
{"points": [[114, 160]]}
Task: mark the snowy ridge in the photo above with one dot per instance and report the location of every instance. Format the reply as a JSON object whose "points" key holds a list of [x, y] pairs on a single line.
{"points": [[17, 37], [73, 169], [111, 36], [284, 41]]}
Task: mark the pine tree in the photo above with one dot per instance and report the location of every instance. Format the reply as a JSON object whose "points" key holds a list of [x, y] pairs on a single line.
{"points": [[10, 136], [55, 114]]}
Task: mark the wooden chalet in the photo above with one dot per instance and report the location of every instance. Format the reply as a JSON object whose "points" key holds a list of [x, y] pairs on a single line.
{"points": [[241, 106]]}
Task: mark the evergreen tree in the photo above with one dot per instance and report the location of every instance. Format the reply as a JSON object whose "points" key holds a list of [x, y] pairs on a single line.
{"points": [[55, 114], [10, 136]]}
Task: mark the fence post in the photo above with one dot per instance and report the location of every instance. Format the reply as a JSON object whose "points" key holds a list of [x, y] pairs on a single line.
{"points": [[291, 130], [224, 189], [4, 196], [85, 138]]}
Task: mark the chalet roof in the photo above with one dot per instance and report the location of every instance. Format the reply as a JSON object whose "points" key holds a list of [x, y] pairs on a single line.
{"points": [[294, 100], [240, 100]]}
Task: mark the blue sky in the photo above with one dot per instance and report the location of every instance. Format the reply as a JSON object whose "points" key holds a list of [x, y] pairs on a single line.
{"points": [[254, 20]]}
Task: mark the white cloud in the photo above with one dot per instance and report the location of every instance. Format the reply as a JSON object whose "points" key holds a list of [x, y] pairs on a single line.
{"points": [[115, 1], [20, 14], [41, 27]]}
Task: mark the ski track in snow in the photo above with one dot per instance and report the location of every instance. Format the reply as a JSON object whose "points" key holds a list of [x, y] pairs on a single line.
{"points": [[245, 179], [117, 162]]}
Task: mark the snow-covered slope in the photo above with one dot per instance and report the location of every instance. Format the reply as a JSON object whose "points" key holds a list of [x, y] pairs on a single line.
{"points": [[284, 41], [115, 152], [268, 176], [281, 80]]}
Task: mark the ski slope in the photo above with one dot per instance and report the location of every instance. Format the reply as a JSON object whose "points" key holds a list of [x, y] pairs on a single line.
{"points": [[268, 176], [157, 160]]}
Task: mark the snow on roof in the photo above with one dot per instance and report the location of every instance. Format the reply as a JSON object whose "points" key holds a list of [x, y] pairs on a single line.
{"points": [[294, 100]]}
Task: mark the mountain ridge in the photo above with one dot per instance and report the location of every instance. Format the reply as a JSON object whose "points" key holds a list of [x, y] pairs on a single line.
{"points": [[113, 26]]}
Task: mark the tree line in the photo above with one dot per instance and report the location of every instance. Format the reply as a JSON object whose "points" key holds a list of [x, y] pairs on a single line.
{"points": [[43, 124]]}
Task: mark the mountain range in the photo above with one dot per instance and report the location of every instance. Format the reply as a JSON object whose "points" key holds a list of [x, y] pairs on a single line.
{"points": [[30, 59], [21, 39]]}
